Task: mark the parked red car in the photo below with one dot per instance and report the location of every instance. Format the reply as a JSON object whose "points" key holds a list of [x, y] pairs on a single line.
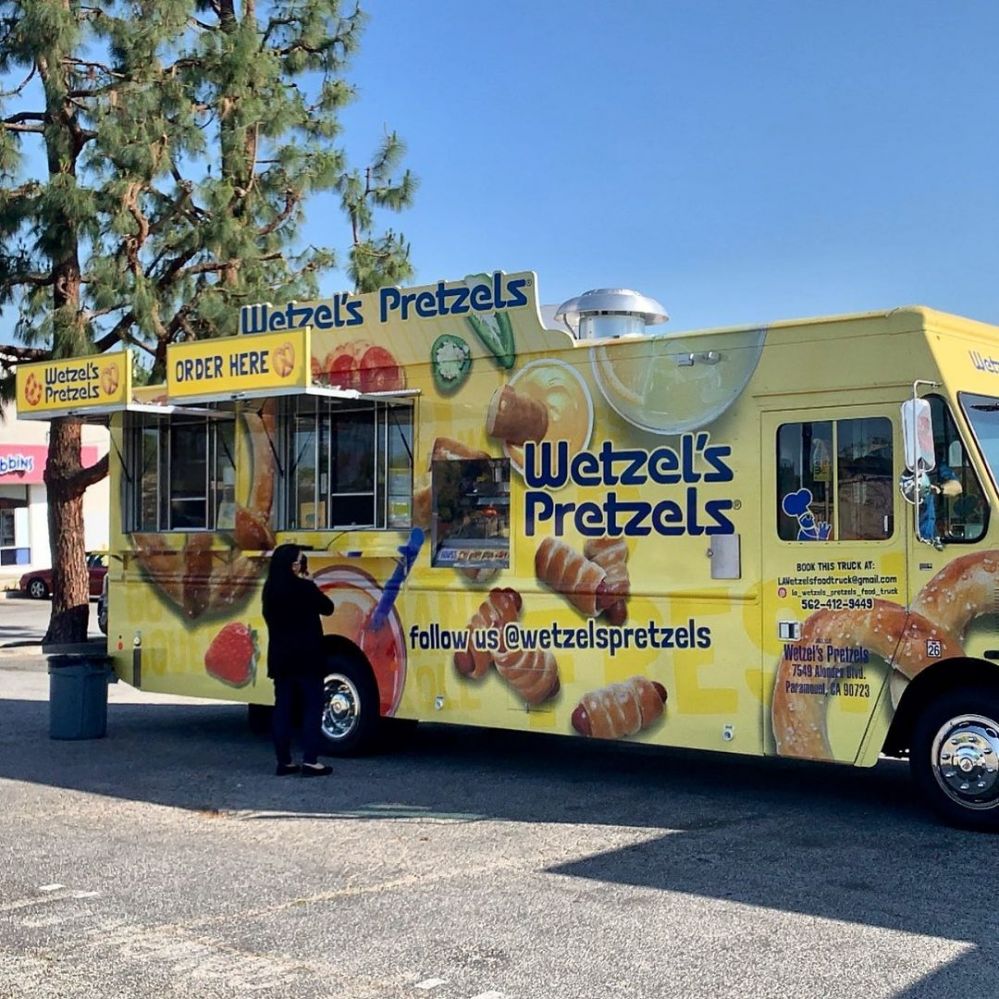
{"points": [[38, 582]]}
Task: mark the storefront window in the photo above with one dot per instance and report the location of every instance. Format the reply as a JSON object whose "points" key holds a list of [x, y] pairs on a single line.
{"points": [[471, 513], [350, 464], [184, 474], [14, 548]]}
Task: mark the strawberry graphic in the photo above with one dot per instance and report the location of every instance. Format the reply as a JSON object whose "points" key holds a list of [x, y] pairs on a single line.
{"points": [[232, 655]]}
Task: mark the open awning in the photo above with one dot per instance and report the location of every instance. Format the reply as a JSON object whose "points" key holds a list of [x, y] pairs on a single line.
{"points": [[204, 377]]}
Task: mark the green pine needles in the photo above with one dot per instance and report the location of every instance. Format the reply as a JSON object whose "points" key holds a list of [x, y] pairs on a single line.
{"points": [[156, 160]]}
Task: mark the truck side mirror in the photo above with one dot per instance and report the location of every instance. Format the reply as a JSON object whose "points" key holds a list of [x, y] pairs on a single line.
{"points": [[914, 482], [917, 435]]}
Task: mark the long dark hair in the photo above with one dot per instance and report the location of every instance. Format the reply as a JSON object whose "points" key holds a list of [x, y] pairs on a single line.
{"points": [[280, 573]]}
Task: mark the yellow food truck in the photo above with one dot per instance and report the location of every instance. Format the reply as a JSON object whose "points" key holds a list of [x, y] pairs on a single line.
{"points": [[767, 541]]}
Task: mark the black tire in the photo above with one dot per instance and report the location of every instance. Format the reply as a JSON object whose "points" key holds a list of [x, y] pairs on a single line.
{"points": [[38, 589], [258, 718], [350, 723], [955, 757]]}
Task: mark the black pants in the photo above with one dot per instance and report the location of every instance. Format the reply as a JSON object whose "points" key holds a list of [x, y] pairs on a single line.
{"points": [[306, 693]]}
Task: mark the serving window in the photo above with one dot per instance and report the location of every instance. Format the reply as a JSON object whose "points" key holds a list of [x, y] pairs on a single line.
{"points": [[348, 464], [181, 473], [470, 523]]}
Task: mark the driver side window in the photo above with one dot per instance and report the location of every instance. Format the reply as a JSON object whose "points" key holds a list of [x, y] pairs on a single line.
{"points": [[952, 505]]}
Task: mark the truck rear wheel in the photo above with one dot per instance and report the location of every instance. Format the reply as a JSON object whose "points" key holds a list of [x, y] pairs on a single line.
{"points": [[955, 757], [350, 711]]}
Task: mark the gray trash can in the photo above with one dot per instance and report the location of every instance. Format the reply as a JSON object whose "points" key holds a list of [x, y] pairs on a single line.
{"points": [[78, 697]]}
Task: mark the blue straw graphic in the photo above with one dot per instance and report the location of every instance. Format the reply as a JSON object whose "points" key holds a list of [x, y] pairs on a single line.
{"points": [[408, 551]]}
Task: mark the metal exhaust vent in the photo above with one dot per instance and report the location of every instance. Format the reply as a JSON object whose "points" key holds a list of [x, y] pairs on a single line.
{"points": [[610, 312]]}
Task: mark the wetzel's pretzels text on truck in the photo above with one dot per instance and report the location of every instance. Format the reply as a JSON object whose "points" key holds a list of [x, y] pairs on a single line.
{"points": [[768, 541]]}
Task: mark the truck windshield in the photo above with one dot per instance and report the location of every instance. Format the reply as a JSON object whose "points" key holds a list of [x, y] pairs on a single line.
{"points": [[982, 413]]}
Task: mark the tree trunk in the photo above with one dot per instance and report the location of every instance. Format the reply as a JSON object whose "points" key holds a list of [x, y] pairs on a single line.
{"points": [[70, 580]]}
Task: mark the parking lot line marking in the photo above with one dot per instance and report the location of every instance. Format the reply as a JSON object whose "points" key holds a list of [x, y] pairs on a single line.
{"points": [[489, 995], [84, 894], [27, 903], [40, 921], [53, 887], [430, 983]]}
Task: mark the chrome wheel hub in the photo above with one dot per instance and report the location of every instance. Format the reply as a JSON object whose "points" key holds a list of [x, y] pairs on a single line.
{"points": [[966, 761], [342, 707]]}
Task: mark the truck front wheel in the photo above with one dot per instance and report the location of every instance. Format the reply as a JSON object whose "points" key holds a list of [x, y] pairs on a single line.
{"points": [[350, 711], [955, 757]]}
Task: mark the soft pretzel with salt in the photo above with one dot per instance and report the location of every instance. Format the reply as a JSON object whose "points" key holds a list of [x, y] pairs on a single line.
{"points": [[964, 589], [961, 591], [887, 630]]}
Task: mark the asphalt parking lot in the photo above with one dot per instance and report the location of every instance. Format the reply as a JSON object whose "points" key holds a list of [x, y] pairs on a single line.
{"points": [[167, 860], [23, 621]]}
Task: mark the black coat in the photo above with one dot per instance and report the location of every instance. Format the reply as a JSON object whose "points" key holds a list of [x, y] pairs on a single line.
{"points": [[294, 631]]}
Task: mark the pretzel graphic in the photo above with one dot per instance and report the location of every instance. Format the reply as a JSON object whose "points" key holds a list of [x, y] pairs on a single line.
{"points": [[942, 611], [32, 390]]}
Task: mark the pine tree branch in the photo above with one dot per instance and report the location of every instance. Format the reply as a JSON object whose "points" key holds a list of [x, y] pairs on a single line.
{"points": [[71, 61], [20, 87], [11, 354], [36, 279], [217, 266], [291, 200], [37, 129], [26, 190], [42, 116], [16, 122], [88, 476], [274, 22], [116, 334]]}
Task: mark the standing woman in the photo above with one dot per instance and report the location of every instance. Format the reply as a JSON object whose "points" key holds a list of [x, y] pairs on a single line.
{"points": [[292, 605]]}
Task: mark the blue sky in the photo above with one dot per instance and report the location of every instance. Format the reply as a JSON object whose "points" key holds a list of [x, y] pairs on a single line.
{"points": [[741, 162]]}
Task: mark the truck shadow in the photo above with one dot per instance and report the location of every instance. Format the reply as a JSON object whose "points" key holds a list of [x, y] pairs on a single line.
{"points": [[827, 842]]}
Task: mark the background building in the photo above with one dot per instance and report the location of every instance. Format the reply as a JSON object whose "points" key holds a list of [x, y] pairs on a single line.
{"points": [[24, 531]]}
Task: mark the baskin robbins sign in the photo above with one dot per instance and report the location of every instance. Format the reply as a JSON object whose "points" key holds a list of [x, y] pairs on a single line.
{"points": [[24, 464]]}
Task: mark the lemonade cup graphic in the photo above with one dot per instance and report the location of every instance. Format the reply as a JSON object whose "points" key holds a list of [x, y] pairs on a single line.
{"points": [[355, 596], [672, 385]]}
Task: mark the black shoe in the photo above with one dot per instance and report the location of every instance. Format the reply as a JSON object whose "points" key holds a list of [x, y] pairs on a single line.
{"points": [[286, 769], [316, 770]]}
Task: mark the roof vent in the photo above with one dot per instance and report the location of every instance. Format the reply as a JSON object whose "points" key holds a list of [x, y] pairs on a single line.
{"points": [[610, 312]]}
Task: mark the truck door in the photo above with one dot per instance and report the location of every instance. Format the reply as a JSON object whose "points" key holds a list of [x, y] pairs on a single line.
{"points": [[834, 579]]}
